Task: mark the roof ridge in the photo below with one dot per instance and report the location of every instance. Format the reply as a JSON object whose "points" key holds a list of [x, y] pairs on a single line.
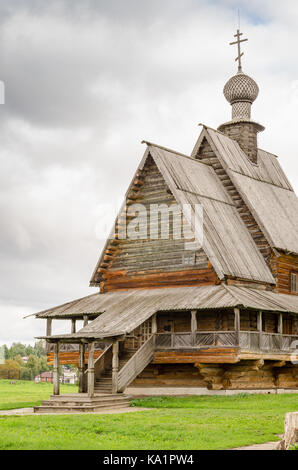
{"points": [[151, 144], [227, 288], [212, 129], [147, 142]]}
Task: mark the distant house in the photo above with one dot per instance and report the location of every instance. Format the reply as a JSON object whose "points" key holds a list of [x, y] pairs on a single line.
{"points": [[44, 377], [25, 359], [68, 376]]}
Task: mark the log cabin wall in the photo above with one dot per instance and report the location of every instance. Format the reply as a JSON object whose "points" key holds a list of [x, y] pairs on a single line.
{"points": [[147, 263], [282, 267], [174, 322], [207, 155], [216, 321], [248, 320], [245, 375], [270, 322]]}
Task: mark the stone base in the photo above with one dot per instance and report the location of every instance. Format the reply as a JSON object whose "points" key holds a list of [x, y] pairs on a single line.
{"points": [[182, 391]]}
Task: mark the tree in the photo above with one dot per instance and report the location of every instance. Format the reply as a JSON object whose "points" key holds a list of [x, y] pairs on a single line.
{"points": [[32, 366], [40, 349], [10, 370]]}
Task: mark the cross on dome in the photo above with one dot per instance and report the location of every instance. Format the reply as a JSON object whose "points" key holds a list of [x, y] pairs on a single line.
{"points": [[240, 54]]}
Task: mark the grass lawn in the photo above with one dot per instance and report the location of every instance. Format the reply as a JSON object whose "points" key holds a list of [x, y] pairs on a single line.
{"points": [[24, 394], [169, 423]]}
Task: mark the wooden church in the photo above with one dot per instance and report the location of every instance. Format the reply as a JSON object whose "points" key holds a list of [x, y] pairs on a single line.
{"points": [[198, 281]]}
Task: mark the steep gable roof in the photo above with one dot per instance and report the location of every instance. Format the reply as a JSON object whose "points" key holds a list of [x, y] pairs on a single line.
{"points": [[264, 188], [227, 243]]}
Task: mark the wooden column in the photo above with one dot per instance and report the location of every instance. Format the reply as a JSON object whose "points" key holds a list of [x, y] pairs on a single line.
{"points": [[73, 326], [48, 332], [115, 367], [237, 324], [91, 370], [49, 327], [279, 329], [56, 381], [260, 327], [280, 325], [194, 326], [81, 367], [85, 318], [154, 324], [154, 328]]}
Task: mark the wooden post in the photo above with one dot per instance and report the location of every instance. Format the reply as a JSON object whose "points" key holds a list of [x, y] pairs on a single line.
{"points": [[81, 367], [280, 326], [73, 326], [154, 328], [85, 318], [237, 325], [194, 326], [49, 327], [91, 370], [154, 324], [260, 327], [115, 367], [56, 381], [280, 329], [48, 332]]}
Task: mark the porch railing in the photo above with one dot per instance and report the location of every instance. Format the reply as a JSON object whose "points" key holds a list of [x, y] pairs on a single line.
{"points": [[250, 340], [267, 341], [136, 364]]}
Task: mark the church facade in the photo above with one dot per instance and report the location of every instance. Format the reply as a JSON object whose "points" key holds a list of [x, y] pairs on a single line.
{"points": [[197, 283]]}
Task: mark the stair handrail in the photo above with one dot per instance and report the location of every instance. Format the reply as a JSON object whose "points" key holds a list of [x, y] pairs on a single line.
{"points": [[142, 357], [107, 348]]}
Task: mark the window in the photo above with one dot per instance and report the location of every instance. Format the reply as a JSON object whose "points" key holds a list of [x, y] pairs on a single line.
{"points": [[293, 280]]}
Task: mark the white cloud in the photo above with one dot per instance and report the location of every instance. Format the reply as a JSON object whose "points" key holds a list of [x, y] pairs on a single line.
{"points": [[83, 88]]}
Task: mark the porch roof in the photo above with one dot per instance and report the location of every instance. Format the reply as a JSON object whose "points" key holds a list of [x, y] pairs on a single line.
{"points": [[122, 312]]}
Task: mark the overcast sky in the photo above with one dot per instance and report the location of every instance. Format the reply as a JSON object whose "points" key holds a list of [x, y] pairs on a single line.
{"points": [[85, 82]]}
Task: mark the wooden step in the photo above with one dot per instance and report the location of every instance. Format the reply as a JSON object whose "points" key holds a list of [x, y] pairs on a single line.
{"points": [[83, 404], [86, 400], [79, 409], [71, 404]]}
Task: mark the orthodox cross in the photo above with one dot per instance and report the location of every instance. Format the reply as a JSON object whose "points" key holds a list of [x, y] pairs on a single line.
{"points": [[238, 42]]}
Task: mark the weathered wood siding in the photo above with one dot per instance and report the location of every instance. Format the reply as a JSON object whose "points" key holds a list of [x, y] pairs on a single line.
{"points": [[281, 267], [175, 322], [215, 321], [70, 357], [150, 263]]}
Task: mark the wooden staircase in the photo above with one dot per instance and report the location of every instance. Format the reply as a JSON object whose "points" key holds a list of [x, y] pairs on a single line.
{"points": [[104, 383], [81, 403], [131, 363]]}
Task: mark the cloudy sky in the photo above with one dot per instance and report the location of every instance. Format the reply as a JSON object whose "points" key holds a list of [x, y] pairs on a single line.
{"points": [[85, 82]]}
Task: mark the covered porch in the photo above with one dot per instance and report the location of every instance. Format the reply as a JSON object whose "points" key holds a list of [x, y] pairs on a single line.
{"points": [[134, 328]]}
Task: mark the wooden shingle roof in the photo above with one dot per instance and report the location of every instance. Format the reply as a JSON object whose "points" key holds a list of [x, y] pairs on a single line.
{"points": [[264, 188], [122, 312]]}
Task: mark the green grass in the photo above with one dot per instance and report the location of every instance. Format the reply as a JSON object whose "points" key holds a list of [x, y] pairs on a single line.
{"points": [[25, 394], [169, 423]]}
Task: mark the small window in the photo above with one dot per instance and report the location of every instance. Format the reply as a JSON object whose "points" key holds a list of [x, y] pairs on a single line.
{"points": [[294, 282]]}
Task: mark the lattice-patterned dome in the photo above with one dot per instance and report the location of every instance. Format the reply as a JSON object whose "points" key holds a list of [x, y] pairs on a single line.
{"points": [[241, 88]]}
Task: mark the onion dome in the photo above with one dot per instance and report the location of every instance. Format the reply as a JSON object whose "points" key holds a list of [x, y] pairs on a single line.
{"points": [[241, 91], [241, 88]]}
